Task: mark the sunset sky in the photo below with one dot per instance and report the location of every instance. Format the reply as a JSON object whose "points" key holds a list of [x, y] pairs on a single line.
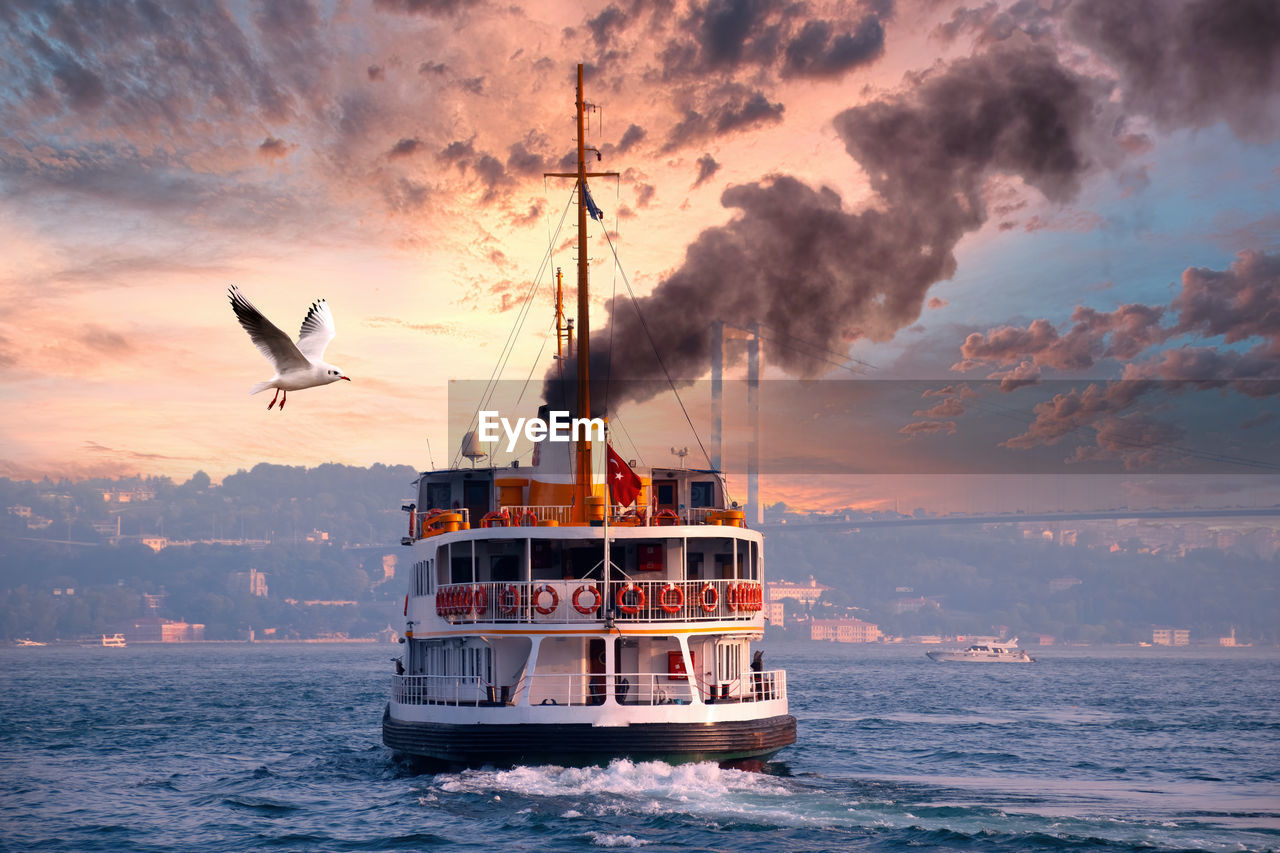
{"points": [[1081, 191]]}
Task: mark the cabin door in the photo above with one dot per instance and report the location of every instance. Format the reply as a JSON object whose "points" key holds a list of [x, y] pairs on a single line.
{"points": [[475, 497], [664, 495], [595, 660]]}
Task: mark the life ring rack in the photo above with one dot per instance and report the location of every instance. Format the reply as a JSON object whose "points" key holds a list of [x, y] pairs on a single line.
{"points": [[666, 604], [633, 607], [509, 600], [708, 598], [577, 599], [536, 596]]}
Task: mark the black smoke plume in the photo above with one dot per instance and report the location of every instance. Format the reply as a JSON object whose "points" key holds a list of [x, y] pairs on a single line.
{"points": [[794, 260]]}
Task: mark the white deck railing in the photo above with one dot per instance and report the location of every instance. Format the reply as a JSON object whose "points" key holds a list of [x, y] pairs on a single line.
{"points": [[582, 689], [575, 601]]}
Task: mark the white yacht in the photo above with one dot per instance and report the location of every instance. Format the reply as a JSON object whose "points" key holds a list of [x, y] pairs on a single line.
{"points": [[988, 652], [115, 641], [552, 620]]}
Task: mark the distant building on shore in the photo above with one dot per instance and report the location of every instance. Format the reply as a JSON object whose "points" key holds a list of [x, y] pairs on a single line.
{"points": [[806, 594], [844, 630], [252, 582], [154, 629], [1171, 637], [774, 614]]}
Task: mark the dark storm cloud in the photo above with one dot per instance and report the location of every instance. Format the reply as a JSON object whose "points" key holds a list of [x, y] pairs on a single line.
{"points": [[819, 51], [722, 36], [989, 23], [633, 136], [727, 109], [423, 7], [405, 147], [274, 148], [522, 161], [707, 166], [1190, 63]]}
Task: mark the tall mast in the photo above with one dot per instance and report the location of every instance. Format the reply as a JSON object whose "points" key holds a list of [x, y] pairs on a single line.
{"points": [[582, 475], [582, 482]]}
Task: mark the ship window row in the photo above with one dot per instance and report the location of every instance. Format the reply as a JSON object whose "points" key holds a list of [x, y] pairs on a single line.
{"points": [[447, 658], [517, 560]]}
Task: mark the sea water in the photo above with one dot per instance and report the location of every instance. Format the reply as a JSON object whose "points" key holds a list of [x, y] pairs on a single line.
{"points": [[277, 747]]}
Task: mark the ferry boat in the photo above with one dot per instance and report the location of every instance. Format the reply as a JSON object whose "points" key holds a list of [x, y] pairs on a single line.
{"points": [[989, 652], [552, 620], [115, 641]]}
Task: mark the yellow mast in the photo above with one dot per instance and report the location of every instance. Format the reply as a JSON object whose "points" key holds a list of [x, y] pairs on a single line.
{"points": [[582, 474]]}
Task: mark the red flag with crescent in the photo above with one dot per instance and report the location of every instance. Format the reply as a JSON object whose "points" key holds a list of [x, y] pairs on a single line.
{"points": [[624, 484]]}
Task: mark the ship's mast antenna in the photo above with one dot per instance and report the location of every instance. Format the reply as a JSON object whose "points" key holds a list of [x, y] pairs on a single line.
{"points": [[582, 487]]}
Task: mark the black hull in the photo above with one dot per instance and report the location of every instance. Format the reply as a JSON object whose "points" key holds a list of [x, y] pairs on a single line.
{"points": [[580, 744]]}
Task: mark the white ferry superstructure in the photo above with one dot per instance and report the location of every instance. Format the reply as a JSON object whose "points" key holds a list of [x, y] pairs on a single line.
{"points": [[545, 623]]}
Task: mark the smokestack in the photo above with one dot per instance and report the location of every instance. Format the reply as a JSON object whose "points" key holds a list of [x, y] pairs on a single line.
{"points": [[717, 394]]}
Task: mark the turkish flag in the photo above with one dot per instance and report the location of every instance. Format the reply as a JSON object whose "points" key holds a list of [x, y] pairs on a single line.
{"points": [[624, 484]]}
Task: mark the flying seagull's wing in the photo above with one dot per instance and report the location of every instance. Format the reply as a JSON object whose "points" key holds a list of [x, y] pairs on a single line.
{"points": [[269, 340], [317, 330]]}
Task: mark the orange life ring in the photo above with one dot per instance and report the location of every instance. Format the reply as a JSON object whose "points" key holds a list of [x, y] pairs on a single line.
{"points": [[708, 604], [439, 602], [479, 599], [757, 597], [427, 517], [577, 595], [668, 606], [497, 518], [464, 600], [732, 595], [537, 593], [509, 599], [529, 519], [665, 515], [634, 607]]}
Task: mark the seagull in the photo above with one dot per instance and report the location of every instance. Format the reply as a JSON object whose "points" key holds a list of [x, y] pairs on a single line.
{"points": [[297, 365]]}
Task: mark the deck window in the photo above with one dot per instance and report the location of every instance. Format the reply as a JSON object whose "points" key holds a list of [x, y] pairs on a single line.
{"points": [[702, 494]]}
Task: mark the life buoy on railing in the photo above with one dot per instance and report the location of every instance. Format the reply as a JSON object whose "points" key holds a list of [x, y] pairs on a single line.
{"points": [[633, 607], [427, 518], [536, 599], [509, 600], [439, 602], [708, 598], [665, 518], [732, 596], [755, 597], [667, 605], [577, 599], [479, 599], [497, 518], [529, 519], [465, 601]]}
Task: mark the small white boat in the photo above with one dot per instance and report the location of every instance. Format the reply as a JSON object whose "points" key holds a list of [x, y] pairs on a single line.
{"points": [[29, 642], [115, 641], [984, 653]]}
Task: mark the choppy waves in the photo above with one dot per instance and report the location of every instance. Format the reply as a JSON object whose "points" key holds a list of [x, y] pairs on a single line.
{"points": [[230, 748]]}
